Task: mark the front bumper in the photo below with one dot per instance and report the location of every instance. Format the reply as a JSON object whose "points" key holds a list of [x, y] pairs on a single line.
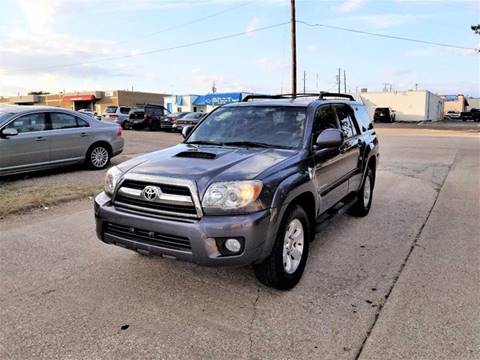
{"points": [[256, 229], [166, 125]]}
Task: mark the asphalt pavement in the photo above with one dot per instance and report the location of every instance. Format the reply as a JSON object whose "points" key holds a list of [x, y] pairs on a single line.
{"points": [[402, 283]]}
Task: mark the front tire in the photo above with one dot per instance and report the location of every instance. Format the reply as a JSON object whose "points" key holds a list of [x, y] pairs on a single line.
{"points": [[284, 267], [98, 157], [362, 205]]}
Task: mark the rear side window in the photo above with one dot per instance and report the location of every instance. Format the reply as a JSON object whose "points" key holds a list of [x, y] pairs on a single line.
{"points": [[66, 121], [63, 121], [82, 123], [124, 110], [363, 118], [154, 111], [29, 123]]}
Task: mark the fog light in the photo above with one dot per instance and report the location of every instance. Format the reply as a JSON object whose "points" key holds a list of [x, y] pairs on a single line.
{"points": [[233, 245]]}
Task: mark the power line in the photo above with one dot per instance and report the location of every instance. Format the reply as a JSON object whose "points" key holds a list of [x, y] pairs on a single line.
{"points": [[178, 26], [388, 36], [148, 52]]}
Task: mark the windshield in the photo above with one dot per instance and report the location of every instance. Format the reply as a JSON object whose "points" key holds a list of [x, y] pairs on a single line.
{"points": [[272, 126], [111, 109], [4, 116]]}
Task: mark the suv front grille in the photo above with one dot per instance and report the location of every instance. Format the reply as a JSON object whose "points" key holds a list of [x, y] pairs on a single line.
{"points": [[147, 237], [169, 199]]}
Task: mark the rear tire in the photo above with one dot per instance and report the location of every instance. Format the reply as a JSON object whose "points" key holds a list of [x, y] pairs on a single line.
{"points": [[362, 205], [284, 267], [98, 157]]}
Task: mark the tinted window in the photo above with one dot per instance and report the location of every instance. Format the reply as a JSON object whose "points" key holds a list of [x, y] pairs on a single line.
{"points": [[4, 116], [29, 123], [82, 123], [346, 125], [325, 118], [363, 118], [124, 110], [269, 125], [63, 121]]}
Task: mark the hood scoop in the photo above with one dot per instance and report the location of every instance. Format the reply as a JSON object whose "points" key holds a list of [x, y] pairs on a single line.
{"points": [[197, 155]]}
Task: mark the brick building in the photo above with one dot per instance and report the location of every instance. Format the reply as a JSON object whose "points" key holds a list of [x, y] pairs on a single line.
{"points": [[92, 100]]}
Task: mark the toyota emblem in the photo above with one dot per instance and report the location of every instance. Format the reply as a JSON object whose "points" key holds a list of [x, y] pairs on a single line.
{"points": [[151, 193]]}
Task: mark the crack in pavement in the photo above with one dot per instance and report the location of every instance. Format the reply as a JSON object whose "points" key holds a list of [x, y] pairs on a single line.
{"points": [[254, 317], [404, 263]]}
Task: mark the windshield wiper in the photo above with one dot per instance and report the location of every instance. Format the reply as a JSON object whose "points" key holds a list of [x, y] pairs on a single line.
{"points": [[255, 144], [201, 142]]}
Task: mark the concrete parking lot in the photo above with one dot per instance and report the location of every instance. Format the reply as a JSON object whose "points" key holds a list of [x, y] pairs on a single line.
{"points": [[402, 283]]}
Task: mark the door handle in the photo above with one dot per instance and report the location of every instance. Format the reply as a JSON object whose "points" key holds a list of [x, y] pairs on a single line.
{"points": [[83, 134], [40, 138]]}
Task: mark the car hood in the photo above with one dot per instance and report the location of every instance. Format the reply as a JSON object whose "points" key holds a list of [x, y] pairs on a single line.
{"points": [[206, 164]]}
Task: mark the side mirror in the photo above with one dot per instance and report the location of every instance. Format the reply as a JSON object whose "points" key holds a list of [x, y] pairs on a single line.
{"points": [[329, 138], [9, 132], [187, 130]]}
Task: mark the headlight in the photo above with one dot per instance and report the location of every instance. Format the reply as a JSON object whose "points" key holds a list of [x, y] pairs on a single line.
{"points": [[111, 179], [232, 195]]}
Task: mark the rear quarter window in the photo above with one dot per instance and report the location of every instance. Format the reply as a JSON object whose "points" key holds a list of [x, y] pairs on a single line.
{"points": [[362, 117]]}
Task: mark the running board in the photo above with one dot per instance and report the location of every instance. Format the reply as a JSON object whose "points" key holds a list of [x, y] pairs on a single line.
{"points": [[339, 209]]}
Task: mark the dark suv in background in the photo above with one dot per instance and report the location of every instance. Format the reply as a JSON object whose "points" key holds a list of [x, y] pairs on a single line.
{"points": [[384, 114], [153, 115], [247, 186]]}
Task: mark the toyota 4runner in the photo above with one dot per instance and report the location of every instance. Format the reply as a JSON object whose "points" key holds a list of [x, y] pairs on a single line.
{"points": [[247, 186]]}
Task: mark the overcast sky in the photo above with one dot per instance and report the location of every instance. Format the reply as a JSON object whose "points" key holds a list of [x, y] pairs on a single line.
{"points": [[75, 45]]}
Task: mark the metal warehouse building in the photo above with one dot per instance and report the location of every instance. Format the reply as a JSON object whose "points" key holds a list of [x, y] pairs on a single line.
{"points": [[421, 105]]}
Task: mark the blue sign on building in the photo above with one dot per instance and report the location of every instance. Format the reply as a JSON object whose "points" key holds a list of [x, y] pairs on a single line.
{"points": [[450, 97], [217, 99]]}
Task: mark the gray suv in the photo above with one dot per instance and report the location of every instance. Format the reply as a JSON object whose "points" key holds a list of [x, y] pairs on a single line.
{"points": [[41, 137], [247, 186]]}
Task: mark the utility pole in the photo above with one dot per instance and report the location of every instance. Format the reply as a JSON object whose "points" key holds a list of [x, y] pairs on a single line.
{"points": [[304, 80], [339, 80], [344, 81], [317, 81], [294, 47], [416, 87]]}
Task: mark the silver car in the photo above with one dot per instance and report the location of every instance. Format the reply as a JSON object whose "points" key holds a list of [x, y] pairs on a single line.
{"points": [[41, 137]]}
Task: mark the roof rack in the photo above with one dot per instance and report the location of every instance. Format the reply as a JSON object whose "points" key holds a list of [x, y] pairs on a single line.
{"points": [[320, 96], [324, 95]]}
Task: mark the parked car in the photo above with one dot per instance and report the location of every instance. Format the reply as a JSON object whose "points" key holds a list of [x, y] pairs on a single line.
{"points": [[473, 114], [37, 138], [135, 118], [384, 114], [91, 113], [247, 185], [189, 119], [452, 115], [171, 119], [154, 115], [117, 114]]}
